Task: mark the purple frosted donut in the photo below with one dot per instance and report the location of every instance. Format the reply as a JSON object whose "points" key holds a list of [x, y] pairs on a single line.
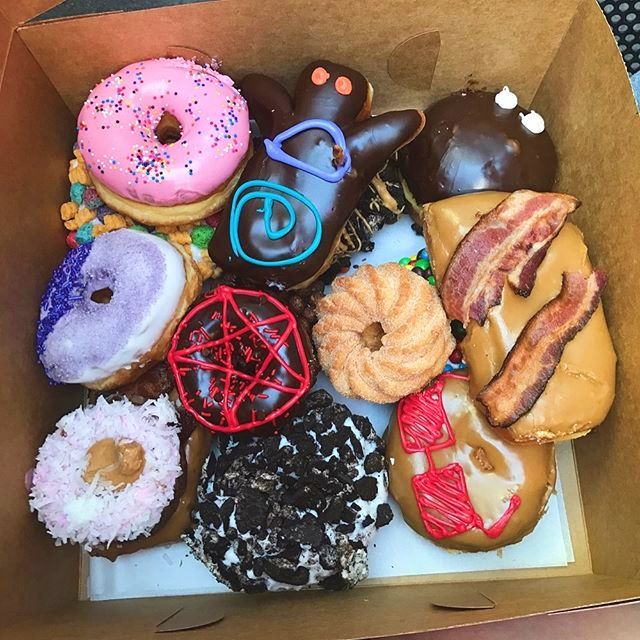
{"points": [[107, 305]]}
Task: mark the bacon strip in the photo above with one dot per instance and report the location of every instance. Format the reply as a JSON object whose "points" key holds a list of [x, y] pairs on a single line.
{"points": [[509, 242], [533, 359]]}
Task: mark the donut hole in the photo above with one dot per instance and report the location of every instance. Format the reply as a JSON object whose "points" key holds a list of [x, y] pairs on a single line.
{"points": [[372, 336], [102, 296], [168, 130]]}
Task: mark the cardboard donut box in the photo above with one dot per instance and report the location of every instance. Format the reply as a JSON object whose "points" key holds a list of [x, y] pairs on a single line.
{"points": [[560, 58]]}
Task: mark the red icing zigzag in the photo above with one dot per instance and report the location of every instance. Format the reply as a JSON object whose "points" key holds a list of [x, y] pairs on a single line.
{"points": [[442, 494]]}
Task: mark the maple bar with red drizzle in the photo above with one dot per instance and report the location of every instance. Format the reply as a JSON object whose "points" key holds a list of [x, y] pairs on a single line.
{"points": [[527, 369], [508, 243], [456, 480]]}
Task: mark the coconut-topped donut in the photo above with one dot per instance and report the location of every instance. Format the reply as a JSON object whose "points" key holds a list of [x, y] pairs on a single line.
{"points": [[111, 307], [108, 472]]}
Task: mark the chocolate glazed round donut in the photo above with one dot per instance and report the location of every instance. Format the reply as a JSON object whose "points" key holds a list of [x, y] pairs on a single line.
{"points": [[242, 358], [469, 144]]}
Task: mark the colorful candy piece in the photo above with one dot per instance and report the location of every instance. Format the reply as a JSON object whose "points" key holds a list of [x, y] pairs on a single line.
{"points": [[84, 234], [76, 192], [72, 243], [91, 199], [201, 235]]}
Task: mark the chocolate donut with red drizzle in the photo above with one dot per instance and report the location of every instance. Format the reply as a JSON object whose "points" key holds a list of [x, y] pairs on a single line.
{"points": [[322, 149], [456, 480], [241, 358]]}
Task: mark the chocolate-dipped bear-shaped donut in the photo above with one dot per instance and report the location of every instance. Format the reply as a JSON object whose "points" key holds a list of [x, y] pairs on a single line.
{"points": [[322, 148]]}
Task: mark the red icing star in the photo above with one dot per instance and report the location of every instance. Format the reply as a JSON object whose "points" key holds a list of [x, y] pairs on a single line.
{"points": [[239, 352]]}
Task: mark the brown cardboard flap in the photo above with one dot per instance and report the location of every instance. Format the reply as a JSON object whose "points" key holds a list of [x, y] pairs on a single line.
{"points": [[319, 615], [466, 599], [413, 62], [33, 182], [490, 43], [593, 119], [192, 616], [5, 37], [19, 11]]}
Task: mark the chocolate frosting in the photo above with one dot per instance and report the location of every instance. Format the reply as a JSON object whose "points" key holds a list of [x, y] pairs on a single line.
{"points": [[580, 392], [370, 141], [203, 385], [471, 144], [494, 471]]}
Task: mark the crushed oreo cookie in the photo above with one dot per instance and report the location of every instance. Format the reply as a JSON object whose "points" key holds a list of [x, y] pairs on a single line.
{"points": [[296, 508], [382, 203]]}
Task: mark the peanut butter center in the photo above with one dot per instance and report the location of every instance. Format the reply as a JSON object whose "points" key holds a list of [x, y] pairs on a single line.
{"points": [[119, 463]]}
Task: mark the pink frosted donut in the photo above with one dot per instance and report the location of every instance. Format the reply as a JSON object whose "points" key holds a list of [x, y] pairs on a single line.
{"points": [[164, 140]]}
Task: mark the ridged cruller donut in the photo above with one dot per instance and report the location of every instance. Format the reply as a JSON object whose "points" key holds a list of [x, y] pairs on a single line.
{"points": [[382, 333]]}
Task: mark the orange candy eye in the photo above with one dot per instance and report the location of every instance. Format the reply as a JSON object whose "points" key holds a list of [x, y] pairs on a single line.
{"points": [[344, 86], [319, 76]]}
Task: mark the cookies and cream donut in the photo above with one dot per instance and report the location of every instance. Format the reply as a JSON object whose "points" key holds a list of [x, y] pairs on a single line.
{"points": [[165, 140], [111, 308], [381, 333], [294, 509], [478, 141], [109, 473], [586, 368], [457, 481]]}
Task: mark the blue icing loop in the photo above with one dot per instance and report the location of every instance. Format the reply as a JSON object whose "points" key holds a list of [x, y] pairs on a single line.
{"points": [[275, 151], [62, 293], [270, 192]]}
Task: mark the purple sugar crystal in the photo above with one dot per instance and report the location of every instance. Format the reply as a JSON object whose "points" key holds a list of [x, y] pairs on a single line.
{"points": [[63, 291], [83, 334]]}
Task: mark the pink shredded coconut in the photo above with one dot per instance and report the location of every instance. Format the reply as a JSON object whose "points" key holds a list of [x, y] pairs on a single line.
{"points": [[97, 514]]}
